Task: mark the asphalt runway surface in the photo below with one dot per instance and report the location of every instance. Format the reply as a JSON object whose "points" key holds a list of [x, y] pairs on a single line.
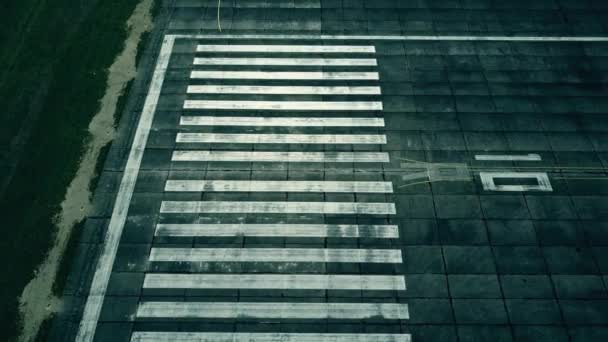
{"points": [[356, 170]]}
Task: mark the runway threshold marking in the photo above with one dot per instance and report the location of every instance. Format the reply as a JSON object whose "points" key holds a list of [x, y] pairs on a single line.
{"points": [[282, 90], [275, 281], [277, 310], [284, 157], [248, 121], [103, 268], [232, 138], [278, 229], [317, 255], [177, 185], [287, 75], [265, 207], [285, 61]]}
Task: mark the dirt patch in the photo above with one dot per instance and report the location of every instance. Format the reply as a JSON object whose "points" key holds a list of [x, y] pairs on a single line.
{"points": [[37, 301]]}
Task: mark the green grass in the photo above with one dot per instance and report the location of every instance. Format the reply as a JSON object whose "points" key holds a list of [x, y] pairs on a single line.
{"points": [[48, 43]]}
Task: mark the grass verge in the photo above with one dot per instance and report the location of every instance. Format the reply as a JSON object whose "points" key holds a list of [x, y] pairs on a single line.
{"points": [[70, 48]]}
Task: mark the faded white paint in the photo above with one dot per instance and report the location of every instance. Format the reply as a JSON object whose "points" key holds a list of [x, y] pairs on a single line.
{"points": [[262, 207], [177, 310], [274, 281], [277, 186], [225, 138], [542, 179], [284, 157], [344, 255], [156, 336], [280, 121], [508, 157], [287, 48], [286, 75], [281, 229], [282, 90], [286, 61], [285, 105]]}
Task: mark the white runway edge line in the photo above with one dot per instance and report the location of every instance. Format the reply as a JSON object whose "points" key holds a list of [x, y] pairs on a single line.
{"points": [[554, 39], [287, 75], [507, 157], [343, 255], [159, 336], [283, 157], [286, 61], [287, 48], [282, 90], [284, 105], [94, 302], [282, 229], [177, 310], [279, 121], [274, 282], [228, 138], [263, 207], [277, 186]]}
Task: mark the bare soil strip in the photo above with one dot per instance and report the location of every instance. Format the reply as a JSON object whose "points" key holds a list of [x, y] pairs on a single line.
{"points": [[37, 301]]}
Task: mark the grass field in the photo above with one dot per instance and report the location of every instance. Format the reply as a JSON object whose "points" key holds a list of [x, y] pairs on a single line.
{"points": [[55, 56]]}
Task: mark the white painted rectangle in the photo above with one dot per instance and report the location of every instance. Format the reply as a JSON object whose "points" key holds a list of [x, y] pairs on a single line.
{"points": [[283, 157], [261, 207], [274, 281], [507, 157], [279, 121], [542, 179], [287, 75], [285, 105], [180, 310], [281, 229], [277, 186], [287, 48], [344, 255], [286, 61], [282, 90], [158, 336], [226, 138]]}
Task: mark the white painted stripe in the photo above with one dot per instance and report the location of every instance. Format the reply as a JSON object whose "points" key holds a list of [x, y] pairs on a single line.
{"points": [[155, 336], [282, 229], [287, 48], [507, 157], [282, 90], [287, 61], [261, 207], [284, 105], [285, 75], [344, 255], [285, 157], [274, 281], [556, 39], [179, 310], [95, 299], [354, 139], [277, 186], [280, 121]]}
